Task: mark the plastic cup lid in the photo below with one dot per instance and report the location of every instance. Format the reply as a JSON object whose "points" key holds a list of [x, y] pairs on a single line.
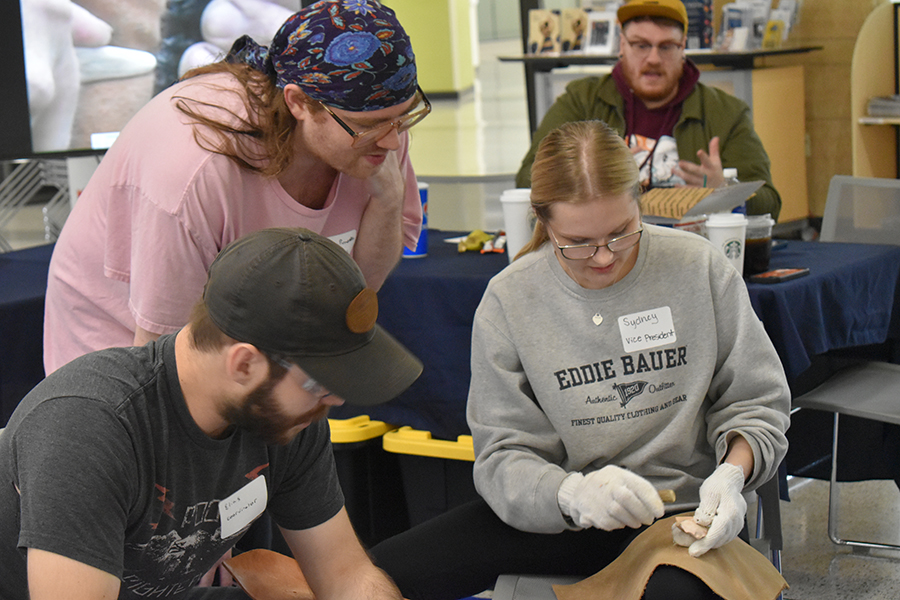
{"points": [[765, 219], [516, 195], [726, 220]]}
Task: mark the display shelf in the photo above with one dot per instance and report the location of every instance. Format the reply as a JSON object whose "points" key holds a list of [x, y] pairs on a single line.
{"points": [[869, 120], [542, 63]]}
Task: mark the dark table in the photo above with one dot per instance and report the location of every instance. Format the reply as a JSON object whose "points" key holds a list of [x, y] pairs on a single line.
{"points": [[847, 304], [849, 300], [23, 283]]}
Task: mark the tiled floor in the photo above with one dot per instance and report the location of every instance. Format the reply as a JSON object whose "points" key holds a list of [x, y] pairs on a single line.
{"points": [[815, 568], [468, 150], [484, 134]]}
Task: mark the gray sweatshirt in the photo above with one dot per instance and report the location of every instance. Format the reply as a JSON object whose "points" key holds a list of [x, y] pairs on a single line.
{"points": [[655, 374]]}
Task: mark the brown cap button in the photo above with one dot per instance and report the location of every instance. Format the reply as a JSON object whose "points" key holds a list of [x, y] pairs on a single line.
{"points": [[363, 311]]}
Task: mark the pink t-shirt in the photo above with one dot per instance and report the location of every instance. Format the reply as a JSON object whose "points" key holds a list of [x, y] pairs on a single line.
{"points": [[137, 245]]}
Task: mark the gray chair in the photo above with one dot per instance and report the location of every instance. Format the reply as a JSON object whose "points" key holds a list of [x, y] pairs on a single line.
{"points": [[529, 587], [870, 390], [864, 210], [768, 541]]}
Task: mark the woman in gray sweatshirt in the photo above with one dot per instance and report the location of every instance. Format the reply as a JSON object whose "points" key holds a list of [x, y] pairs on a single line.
{"points": [[612, 359]]}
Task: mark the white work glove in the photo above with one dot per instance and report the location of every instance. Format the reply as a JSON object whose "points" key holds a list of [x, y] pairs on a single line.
{"points": [[608, 499], [722, 509]]}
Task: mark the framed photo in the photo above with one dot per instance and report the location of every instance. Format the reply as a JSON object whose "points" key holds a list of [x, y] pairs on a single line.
{"points": [[573, 25], [602, 37], [543, 31]]}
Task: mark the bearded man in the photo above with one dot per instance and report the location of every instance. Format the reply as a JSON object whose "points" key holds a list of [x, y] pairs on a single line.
{"points": [[654, 99]]}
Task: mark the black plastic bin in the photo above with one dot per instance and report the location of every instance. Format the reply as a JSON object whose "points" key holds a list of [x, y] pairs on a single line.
{"points": [[437, 474], [370, 478]]}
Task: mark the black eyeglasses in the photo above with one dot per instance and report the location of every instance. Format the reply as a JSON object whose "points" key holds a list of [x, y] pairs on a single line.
{"points": [[666, 50], [585, 251], [401, 123]]}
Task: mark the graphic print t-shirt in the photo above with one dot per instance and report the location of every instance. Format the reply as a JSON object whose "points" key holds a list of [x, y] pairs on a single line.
{"points": [[656, 160], [112, 471]]}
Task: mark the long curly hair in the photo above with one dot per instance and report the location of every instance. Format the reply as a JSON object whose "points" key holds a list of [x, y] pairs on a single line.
{"points": [[263, 141]]}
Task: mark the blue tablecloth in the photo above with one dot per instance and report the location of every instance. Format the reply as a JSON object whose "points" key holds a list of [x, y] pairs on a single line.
{"points": [[23, 283], [850, 298], [847, 300]]}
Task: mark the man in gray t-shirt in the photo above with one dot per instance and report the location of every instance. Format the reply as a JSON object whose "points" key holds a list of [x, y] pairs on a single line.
{"points": [[131, 472]]}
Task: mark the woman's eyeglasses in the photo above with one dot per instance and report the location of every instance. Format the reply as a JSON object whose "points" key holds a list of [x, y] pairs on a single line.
{"points": [[584, 251]]}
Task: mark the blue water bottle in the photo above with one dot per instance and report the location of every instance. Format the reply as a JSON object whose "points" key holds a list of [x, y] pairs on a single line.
{"points": [[422, 245]]}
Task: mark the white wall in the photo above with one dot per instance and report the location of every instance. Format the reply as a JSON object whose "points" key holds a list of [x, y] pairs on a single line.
{"points": [[498, 19]]}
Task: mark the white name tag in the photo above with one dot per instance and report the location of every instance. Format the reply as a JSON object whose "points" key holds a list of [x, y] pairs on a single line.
{"points": [[243, 507], [647, 329], [345, 240]]}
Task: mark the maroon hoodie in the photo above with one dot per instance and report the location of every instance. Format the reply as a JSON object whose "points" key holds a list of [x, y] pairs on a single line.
{"points": [[653, 124]]}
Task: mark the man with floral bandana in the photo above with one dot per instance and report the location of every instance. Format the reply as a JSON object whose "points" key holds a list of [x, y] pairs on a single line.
{"points": [[309, 131]]}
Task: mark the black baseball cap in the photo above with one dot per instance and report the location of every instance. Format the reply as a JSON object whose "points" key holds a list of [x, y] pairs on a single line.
{"points": [[297, 295]]}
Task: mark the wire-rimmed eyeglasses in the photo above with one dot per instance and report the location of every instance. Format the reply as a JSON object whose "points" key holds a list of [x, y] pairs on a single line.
{"points": [[310, 385], [401, 123], [585, 251], [665, 50]]}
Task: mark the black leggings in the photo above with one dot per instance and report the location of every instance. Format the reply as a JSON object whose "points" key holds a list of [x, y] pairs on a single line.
{"points": [[462, 552]]}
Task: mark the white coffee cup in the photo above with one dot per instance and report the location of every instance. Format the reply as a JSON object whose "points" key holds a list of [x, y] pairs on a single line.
{"points": [[727, 232], [517, 219]]}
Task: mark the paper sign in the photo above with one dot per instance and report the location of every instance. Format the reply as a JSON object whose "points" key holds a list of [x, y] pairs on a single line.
{"points": [[243, 507], [647, 329]]}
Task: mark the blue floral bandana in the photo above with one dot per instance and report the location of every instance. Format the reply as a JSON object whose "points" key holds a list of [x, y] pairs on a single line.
{"points": [[348, 54]]}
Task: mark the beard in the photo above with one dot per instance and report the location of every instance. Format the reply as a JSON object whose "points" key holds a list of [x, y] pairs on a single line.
{"points": [[260, 415], [663, 90]]}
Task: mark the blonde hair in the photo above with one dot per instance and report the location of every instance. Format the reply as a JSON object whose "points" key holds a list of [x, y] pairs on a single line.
{"points": [[577, 162]]}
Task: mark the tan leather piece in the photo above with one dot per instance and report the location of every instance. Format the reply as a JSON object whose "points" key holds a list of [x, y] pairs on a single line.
{"points": [[267, 575], [735, 571]]}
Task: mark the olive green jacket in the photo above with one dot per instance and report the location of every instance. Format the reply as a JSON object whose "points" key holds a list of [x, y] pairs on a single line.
{"points": [[707, 112]]}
